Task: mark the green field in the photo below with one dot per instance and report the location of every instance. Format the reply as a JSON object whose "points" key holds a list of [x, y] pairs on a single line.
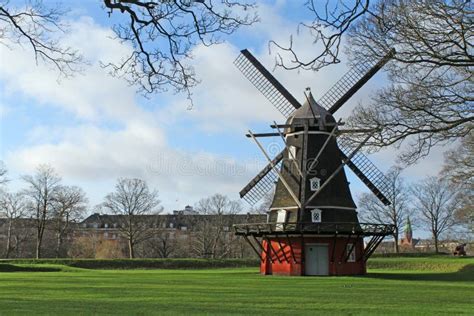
{"points": [[393, 286]]}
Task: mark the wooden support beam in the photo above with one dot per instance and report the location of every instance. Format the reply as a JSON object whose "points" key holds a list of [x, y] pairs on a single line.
{"points": [[334, 246], [282, 249], [293, 195], [356, 131], [374, 246], [302, 125], [289, 151], [315, 161], [303, 179], [302, 249], [253, 247], [344, 161], [262, 135], [268, 256], [272, 250], [345, 247], [352, 248], [291, 248]]}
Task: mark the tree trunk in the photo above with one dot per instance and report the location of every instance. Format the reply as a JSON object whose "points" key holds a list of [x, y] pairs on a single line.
{"points": [[130, 249], [436, 243], [38, 247], [58, 243], [39, 240], [9, 238], [397, 249]]}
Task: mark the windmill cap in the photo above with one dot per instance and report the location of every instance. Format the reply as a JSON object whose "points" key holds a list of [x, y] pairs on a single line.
{"points": [[312, 109]]}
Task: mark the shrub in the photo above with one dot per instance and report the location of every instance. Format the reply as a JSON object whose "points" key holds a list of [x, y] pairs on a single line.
{"points": [[143, 263]]}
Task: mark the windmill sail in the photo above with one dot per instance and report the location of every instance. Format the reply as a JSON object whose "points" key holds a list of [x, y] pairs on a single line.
{"points": [[367, 172], [264, 81], [265, 180], [332, 100], [351, 82]]}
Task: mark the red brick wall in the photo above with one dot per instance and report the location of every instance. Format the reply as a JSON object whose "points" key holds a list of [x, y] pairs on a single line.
{"points": [[288, 266]]}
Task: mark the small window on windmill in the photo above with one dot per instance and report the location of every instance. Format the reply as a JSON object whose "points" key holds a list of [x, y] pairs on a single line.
{"points": [[314, 184], [281, 219], [350, 253], [316, 216], [292, 152]]}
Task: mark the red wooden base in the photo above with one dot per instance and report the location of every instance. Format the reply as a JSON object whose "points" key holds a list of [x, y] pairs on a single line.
{"points": [[286, 256]]}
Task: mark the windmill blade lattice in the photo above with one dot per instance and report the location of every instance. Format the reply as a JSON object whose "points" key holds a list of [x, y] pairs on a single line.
{"points": [[265, 180], [367, 172], [351, 82], [264, 81]]}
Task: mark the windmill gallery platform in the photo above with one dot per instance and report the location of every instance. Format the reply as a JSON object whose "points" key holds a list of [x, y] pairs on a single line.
{"points": [[312, 226]]}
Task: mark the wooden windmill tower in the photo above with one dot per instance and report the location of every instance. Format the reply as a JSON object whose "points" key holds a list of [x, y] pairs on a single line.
{"points": [[312, 226]]}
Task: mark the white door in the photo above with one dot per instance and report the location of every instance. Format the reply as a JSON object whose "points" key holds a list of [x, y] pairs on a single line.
{"points": [[316, 259]]}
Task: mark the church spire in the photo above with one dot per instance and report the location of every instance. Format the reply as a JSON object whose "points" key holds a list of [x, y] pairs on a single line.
{"points": [[408, 230]]}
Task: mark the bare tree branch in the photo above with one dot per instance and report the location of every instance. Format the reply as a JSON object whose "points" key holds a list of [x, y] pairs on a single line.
{"points": [[40, 27], [3, 173], [437, 202], [41, 191], [328, 29], [133, 201], [213, 237], [163, 34], [69, 206], [373, 210], [430, 99], [14, 206], [459, 170]]}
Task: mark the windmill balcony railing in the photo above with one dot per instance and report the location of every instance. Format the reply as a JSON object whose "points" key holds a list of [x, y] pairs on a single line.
{"points": [[329, 228]]}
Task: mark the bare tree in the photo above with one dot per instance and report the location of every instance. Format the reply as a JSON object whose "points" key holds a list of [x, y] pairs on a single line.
{"points": [[430, 98], [163, 244], [14, 207], [372, 210], [264, 207], [3, 173], [132, 201], [163, 34], [40, 27], [436, 201], [42, 189], [69, 206], [459, 169], [213, 236]]}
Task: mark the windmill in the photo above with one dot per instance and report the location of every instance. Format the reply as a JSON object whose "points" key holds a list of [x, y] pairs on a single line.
{"points": [[312, 226]]}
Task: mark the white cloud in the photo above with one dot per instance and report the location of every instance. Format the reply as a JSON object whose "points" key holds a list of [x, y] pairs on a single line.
{"points": [[90, 95], [94, 155], [88, 154]]}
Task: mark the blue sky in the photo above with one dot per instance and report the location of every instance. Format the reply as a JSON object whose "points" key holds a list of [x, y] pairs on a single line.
{"points": [[93, 128]]}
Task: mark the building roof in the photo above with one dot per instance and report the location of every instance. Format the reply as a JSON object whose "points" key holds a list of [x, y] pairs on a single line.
{"points": [[176, 220], [311, 109]]}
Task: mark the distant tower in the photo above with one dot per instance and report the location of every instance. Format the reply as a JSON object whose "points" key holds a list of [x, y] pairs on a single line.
{"points": [[407, 240], [408, 231]]}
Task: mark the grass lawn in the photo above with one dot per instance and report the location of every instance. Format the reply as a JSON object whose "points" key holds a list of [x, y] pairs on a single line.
{"points": [[392, 287]]}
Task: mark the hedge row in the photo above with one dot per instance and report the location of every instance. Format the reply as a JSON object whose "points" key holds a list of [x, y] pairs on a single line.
{"points": [[411, 255], [448, 264], [434, 264], [142, 263]]}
